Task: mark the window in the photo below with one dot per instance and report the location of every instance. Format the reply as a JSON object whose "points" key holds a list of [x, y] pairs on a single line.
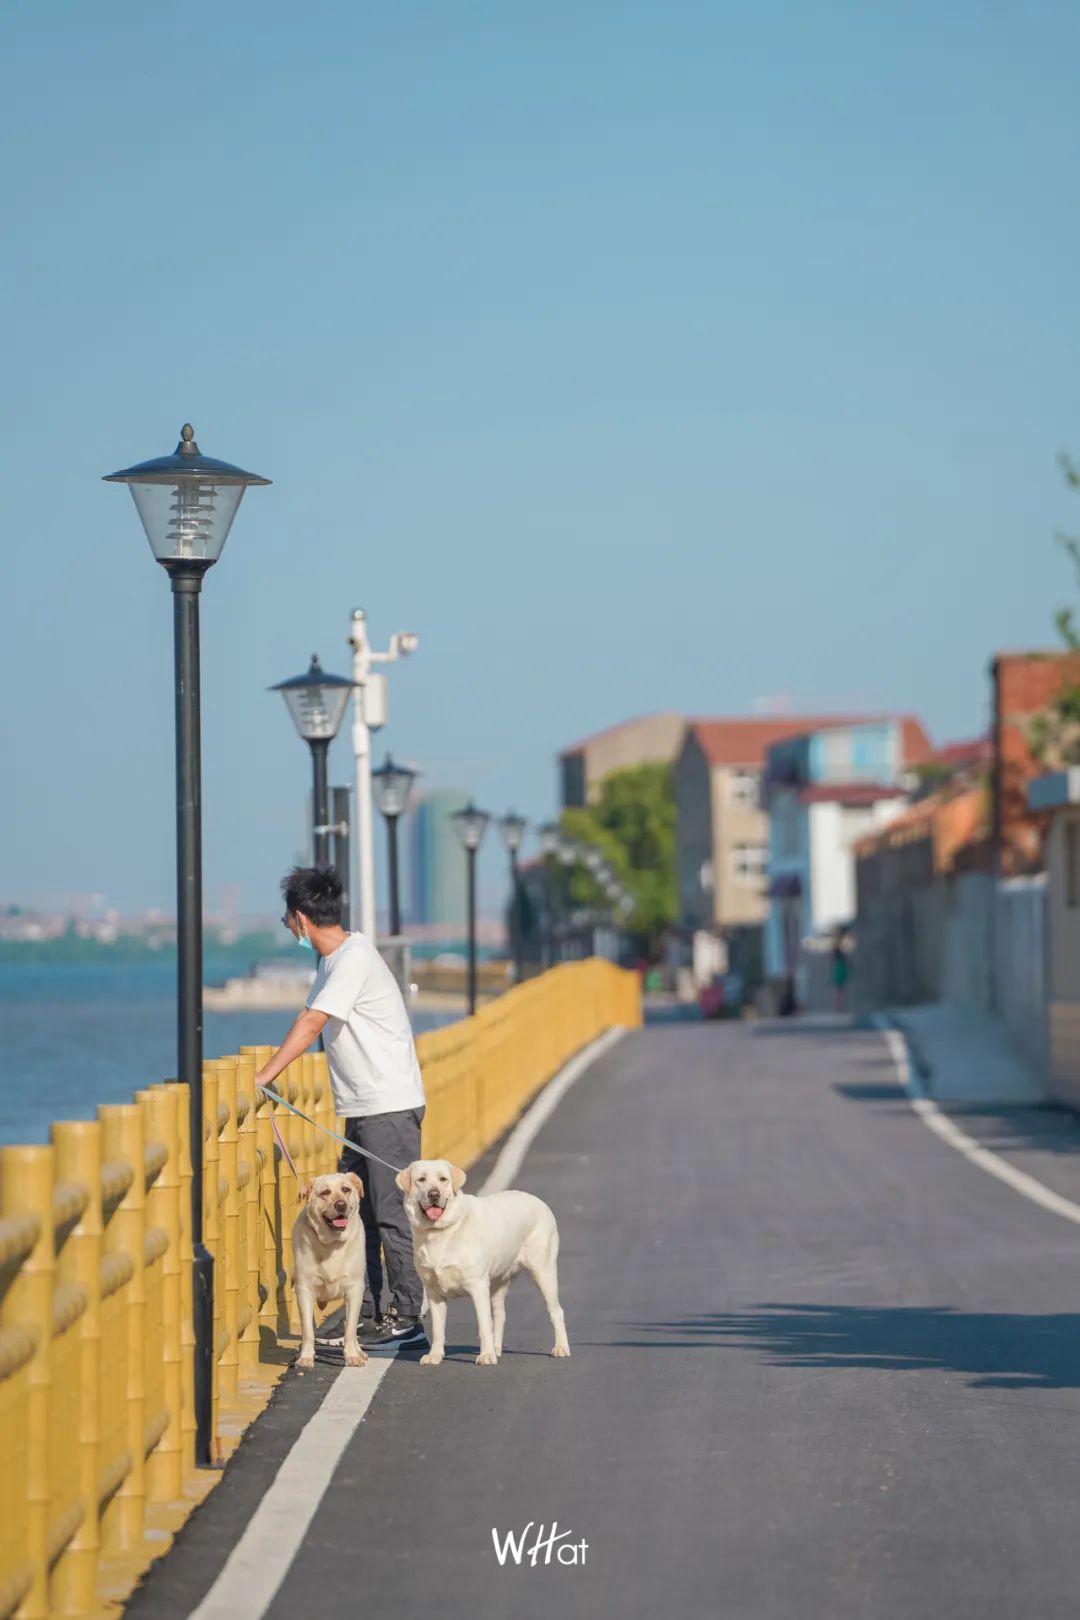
{"points": [[746, 789], [836, 756], [749, 863]]}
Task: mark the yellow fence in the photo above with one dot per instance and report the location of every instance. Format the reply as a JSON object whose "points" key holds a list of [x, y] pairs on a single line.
{"points": [[96, 1397]]}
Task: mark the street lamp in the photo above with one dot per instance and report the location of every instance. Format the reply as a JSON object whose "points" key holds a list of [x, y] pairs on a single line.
{"points": [[392, 785], [369, 714], [470, 825], [316, 702], [549, 835], [186, 503], [513, 827]]}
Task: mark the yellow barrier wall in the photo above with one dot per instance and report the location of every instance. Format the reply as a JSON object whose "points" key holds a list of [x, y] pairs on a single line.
{"points": [[96, 1422]]}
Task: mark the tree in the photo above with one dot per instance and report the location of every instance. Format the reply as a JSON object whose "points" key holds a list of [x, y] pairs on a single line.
{"points": [[633, 825], [1054, 735]]}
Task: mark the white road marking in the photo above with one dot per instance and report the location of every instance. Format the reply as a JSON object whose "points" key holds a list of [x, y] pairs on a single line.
{"points": [[257, 1565], [253, 1573], [522, 1136], [948, 1130]]}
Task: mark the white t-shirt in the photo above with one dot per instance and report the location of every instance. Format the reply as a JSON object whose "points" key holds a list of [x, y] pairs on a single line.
{"points": [[368, 1039]]}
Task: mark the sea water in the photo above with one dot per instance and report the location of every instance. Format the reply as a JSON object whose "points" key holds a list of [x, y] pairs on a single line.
{"points": [[76, 1034]]}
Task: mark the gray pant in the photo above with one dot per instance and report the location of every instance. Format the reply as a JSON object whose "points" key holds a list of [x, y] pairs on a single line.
{"points": [[395, 1137]]}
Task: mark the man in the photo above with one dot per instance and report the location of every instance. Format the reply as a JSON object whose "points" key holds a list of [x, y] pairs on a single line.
{"points": [[355, 1004]]}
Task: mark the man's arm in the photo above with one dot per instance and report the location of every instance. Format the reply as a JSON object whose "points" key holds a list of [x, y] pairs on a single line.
{"points": [[307, 1026]]}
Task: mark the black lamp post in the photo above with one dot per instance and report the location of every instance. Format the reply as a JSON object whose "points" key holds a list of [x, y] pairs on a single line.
{"points": [[549, 836], [187, 502], [470, 825], [391, 785], [317, 702], [513, 828]]}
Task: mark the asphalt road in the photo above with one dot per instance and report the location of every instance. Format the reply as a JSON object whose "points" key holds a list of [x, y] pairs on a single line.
{"points": [[823, 1367]]}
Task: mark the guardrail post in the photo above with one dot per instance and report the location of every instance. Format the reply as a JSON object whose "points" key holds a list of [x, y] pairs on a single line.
{"points": [[229, 1239], [211, 1228], [123, 1137], [77, 1151], [26, 1183], [165, 1465], [267, 1245], [187, 1282], [249, 1213]]}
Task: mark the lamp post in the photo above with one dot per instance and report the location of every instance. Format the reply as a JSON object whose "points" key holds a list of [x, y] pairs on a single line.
{"points": [[512, 828], [369, 714], [470, 825], [316, 702], [392, 785], [548, 834], [186, 503]]}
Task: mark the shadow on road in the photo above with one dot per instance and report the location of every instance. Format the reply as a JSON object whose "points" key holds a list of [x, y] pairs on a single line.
{"points": [[998, 1350]]}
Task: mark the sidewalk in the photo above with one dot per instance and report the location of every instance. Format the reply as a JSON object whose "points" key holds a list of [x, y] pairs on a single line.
{"points": [[964, 1057]]}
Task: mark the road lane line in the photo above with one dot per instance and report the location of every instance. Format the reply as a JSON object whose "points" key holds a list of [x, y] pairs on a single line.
{"points": [[253, 1572], [947, 1129], [250, 1578]]}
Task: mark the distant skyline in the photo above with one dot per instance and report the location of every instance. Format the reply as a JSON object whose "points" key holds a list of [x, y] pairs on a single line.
{"points": [[639, 357]]}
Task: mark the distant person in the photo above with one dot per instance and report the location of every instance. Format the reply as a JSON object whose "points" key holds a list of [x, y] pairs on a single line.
{"points": [[355, 1004], [840, 971]]}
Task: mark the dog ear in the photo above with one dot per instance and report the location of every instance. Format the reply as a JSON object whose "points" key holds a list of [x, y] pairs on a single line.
{"points": [[457, 1177], [403, 1179], [357, 1183], [303, 1191]]}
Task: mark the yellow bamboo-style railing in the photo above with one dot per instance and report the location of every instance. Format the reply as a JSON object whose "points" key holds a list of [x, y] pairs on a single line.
{"points": [[97, 1425]]}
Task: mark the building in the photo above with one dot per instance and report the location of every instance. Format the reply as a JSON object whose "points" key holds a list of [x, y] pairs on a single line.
{"points": [[722, 824], [827, 788], [1024, 684], [435, 869], [650, 739]]}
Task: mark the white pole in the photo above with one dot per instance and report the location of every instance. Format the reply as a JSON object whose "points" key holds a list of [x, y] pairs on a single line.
{"points": [[361, 741], [369, 714]]}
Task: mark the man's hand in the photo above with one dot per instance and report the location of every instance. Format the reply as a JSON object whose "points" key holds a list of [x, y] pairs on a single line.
{"points": [[307, 1027]]}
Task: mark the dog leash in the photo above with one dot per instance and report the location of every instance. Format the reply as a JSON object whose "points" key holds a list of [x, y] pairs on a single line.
{"points": [[268, 1091]]}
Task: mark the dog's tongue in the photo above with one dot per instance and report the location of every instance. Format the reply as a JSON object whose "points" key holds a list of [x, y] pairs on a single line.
{"points": [[340, 1220], [433, 1212]]}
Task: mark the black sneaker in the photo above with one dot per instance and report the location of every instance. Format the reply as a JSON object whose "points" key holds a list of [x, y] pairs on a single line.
{"points": [[394, 1329]]}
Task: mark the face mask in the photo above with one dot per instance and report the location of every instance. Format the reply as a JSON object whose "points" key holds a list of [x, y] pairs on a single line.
{"points": [[303, 940]]}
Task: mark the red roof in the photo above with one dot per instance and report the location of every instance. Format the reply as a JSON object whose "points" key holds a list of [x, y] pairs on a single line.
{"points": [[971, 751], [745, 741]]}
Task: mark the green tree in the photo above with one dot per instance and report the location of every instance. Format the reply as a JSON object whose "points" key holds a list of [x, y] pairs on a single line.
{"points": [[1054, 735], [632, 823]]}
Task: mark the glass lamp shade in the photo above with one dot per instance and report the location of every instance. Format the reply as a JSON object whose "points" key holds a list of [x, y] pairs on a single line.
{"points": [[391, 784], [186, 501], [470, 825], [316, 701], [549, 835], [512, 827]]}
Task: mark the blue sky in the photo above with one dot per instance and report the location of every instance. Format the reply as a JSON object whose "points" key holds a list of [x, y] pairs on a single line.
{"points": [[638, 356]]}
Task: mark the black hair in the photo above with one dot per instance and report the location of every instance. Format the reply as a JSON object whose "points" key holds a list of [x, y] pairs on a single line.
{"points": [[316, 891]]}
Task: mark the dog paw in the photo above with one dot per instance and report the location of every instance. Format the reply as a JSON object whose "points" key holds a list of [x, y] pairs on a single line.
{"points": [[431, 1359], [487, 1358], [356, 1358], [561, 1350], [306, 1361]]}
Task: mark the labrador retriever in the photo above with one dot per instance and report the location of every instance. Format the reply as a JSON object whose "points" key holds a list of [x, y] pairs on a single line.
{"points": [[467, 1245], [329, 1260]]}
